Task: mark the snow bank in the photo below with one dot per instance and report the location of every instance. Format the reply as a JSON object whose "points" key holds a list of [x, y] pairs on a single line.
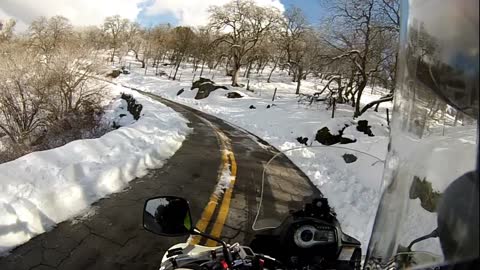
{"points": [[42, 189]]}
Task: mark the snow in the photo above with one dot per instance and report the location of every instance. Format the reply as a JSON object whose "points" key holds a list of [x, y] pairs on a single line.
{"points": [[337, 124], [44, 188], [352, 189]]}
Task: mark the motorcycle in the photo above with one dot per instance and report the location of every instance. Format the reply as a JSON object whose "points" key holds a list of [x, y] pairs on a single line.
{"points": [[309, 237]]}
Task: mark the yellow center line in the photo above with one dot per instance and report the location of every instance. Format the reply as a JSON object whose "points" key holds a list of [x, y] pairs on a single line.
{"points": [[209, 209], [225, 207]]}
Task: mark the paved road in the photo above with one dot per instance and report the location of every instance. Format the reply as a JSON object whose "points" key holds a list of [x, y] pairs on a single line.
{"points": [[111, 235]]}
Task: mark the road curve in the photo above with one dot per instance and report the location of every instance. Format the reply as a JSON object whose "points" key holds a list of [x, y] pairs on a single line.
{"points": [[111, 236]]}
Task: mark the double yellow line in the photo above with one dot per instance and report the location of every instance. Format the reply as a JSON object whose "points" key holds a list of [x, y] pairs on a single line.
{"points": [[228, 163]]}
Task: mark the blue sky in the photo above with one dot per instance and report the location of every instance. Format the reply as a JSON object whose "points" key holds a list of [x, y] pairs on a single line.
{"points": [[312, 9]]}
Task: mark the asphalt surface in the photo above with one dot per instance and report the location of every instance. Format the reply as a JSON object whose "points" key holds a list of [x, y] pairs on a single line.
{"points": [[111, 235]]}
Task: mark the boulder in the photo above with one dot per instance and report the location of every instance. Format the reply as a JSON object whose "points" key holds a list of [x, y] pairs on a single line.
{"points": [[345, 140], [197, 83], [162, 73], [324, 137], [114, 74], [234, 95], [349, 158], [363, 126], [180, 92], [132, 106], [302, 140], [252, 107], [205, 87]]}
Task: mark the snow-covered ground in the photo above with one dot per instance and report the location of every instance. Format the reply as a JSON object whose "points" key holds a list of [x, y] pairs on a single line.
{"points": [[352, 189], [44, 188]]}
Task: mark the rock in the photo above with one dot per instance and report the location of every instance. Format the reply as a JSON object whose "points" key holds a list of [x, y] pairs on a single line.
{"points": [[205, 87], [268, 106], [363, 126], [132, 106], [349, 158], [161, 73], [122, 115], [180, 92], [302, 140], [124, 70], [252, 107], [324, 137], [199, 82], [114, 74], [344, 140], [234, 95]]}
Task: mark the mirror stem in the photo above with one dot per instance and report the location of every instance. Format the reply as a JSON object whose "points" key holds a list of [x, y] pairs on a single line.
{"points": [[226, 251], [433, 234]]}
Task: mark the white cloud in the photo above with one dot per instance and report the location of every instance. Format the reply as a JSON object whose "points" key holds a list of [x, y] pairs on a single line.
{"points": [[190, 12], [80, 12], [93, 12]]}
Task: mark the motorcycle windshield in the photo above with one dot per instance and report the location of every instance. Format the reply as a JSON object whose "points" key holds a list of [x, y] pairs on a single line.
{"points": [[347, 177]]}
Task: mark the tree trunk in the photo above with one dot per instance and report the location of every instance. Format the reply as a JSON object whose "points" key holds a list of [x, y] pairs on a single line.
{"points": [[273, 69], [227, 66], [144, 63], [176, 68], [361, 87], [113, 54], [237, 65], [263, 68], [195, 64], [201, 71], [299, 80], [249, 70], [235, 76]]}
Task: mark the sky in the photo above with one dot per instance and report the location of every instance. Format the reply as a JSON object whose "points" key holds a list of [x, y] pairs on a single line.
{"points": [[147, 12]]}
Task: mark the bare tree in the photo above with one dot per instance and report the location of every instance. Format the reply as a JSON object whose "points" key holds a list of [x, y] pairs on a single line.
{"points": [[181, 43], [356, 36], [203, 49], [305, 57], [242, 25], [70, 86], [20, 102], [6, 29], [115, 29], [48, 34]]}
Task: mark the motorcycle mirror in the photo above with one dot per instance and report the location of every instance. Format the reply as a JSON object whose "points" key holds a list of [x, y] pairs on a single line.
{"points": [[167, 216]]}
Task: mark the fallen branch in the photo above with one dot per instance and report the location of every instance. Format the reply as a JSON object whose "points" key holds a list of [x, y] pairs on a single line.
{"points": [[373, 103]]}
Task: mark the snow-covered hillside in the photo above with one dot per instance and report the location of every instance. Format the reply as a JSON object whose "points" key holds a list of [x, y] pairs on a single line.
{"points": [[44, 188]]}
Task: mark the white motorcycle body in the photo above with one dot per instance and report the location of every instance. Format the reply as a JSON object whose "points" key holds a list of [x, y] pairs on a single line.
{"points": [[190, 253]]}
